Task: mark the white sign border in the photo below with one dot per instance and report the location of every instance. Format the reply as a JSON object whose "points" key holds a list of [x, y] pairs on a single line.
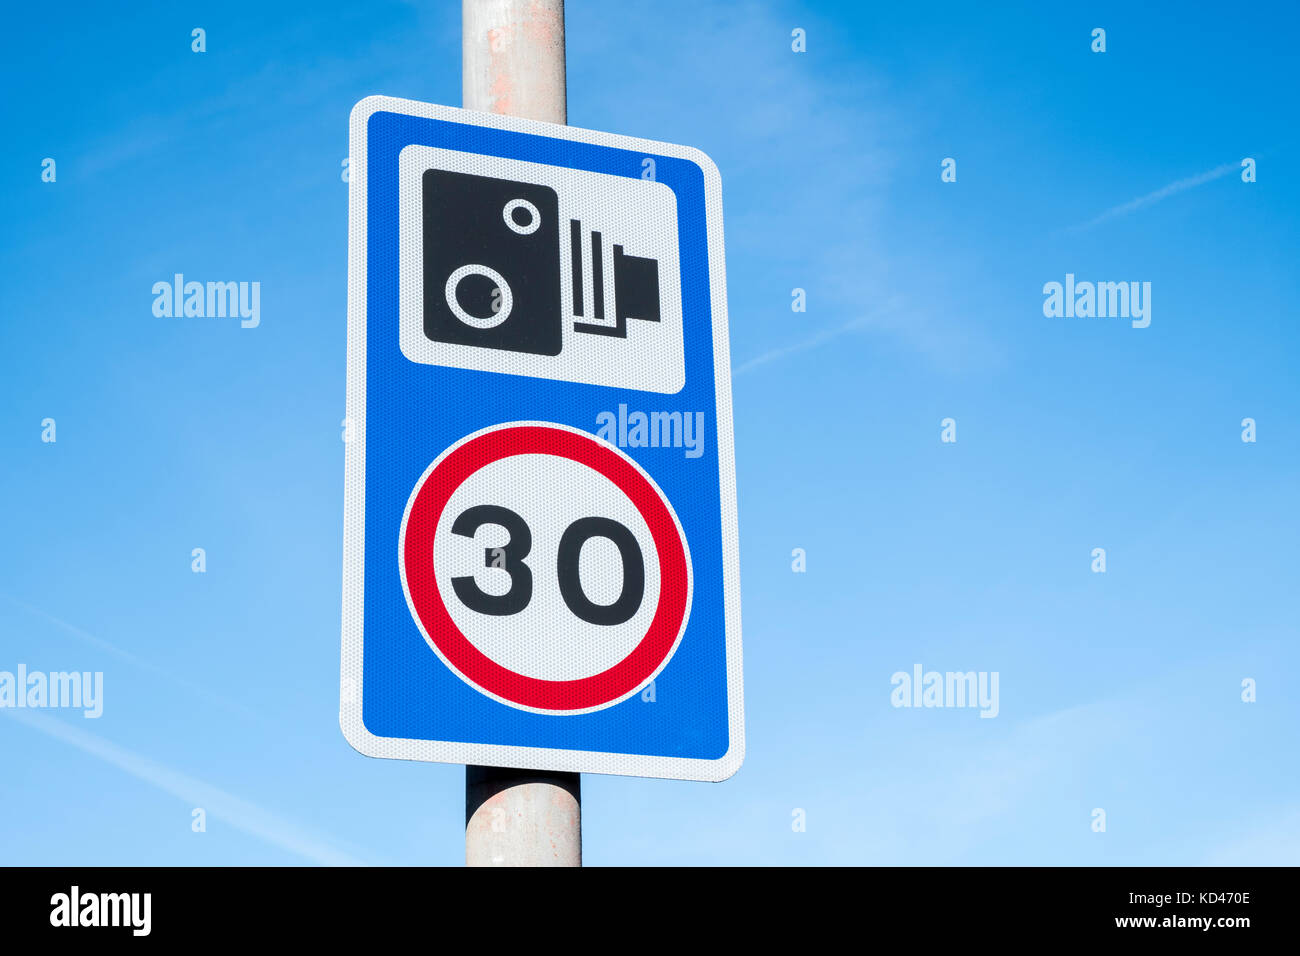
{"points": [[350, 690]]}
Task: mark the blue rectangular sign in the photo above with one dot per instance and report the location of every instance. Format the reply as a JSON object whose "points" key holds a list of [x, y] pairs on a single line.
{"points": [[540, 548]]}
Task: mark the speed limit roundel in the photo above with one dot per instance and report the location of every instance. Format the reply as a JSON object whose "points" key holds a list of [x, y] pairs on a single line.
{"points": [[545, 568]]}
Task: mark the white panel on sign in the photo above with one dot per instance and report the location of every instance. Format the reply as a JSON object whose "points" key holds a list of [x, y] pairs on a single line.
{"points": [[611, 242]]}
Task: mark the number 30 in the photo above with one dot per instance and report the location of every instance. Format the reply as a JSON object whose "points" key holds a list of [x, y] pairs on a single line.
{"points": [[521, 576]]}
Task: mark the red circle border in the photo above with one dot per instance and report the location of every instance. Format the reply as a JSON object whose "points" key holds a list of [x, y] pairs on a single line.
{"points": [[424, 511]]}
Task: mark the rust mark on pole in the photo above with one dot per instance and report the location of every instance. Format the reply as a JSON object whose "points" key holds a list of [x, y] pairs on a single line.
{"points": [[522, 818], [513, 58]]}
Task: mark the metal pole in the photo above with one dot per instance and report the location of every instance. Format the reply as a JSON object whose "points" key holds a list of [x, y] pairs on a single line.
{"points": [[513, 63], [522, 817], [512, 58]]}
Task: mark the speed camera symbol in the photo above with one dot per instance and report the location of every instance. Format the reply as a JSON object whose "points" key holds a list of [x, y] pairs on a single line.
{"points": [[492, 268]]}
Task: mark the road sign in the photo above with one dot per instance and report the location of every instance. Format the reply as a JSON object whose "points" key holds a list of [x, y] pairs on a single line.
{"points": [[540, 552]]}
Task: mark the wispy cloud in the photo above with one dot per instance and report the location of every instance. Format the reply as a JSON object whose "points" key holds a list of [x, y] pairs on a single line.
{"points": [[238, 813], [135, 660], [1164, 192], [1272, 842], [121, 149], [813, 341]]}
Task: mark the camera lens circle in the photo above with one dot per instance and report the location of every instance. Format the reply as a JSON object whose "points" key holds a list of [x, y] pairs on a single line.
{"points": [[534, 217], [474, 321]]}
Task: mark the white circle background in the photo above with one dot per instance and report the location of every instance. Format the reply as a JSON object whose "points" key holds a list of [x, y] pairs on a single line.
{"points": [[545, 640]]}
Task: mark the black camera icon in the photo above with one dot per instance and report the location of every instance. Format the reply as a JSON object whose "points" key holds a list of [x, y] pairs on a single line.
{"points": [[492, 268]]}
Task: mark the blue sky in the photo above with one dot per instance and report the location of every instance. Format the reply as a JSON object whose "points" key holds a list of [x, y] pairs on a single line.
{"points": [[1119, 691]]}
